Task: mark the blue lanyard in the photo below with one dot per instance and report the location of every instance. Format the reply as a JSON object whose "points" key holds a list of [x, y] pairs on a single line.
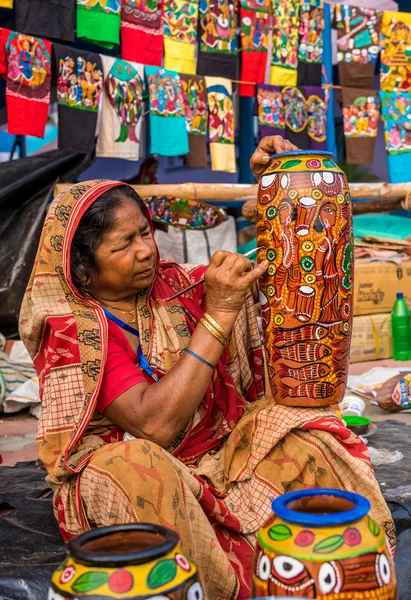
{"points": [[142, 361]]}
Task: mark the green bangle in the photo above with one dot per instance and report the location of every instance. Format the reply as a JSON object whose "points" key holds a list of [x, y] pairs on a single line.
{"points": [[199, 358]]}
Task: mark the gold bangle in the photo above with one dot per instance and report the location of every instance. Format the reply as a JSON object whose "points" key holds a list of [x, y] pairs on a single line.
{"points": [[213, 331], [215, 325]]}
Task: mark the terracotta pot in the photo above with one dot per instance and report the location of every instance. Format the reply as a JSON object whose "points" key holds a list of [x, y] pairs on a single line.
{"points": [[132, 561], [305, 227], [322, 544]]}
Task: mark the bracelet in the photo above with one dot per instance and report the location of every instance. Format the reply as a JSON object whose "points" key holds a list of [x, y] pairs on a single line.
{"points": [[215, 325], [203, 360], [221, 338]]}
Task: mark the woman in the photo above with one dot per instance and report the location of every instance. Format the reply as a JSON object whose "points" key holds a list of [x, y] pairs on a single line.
{"points": [[211, 451], [147, 174]]}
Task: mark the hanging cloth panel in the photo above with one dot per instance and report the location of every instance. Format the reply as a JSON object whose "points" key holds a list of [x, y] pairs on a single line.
{"points": [[6, 3], [122, 109], [270, 111], [180, 35], [358, 44], [79, 88], [310, 49], [47, 18], [256, 24], [221, 124], [195, 100], [218, 44], [25, 62], [142, 32], [98, 22], [168, 128], [305, 117], [361, 111], [396, 52], [285, 42], [396, 112]]}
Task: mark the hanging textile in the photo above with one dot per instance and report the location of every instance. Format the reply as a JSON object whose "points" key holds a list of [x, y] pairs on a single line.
{"points": [[396, 112], [361, 111], [305, 117], [310, 49], [195, 100], [327, 78], [142, 31], [358, 44], [256, 24], [26, 65], [121, 109], [47, 18], [6, 3], [168, 129], [270, 111], [285, 42], [180, 35], [221, 124], [79, 87], [98, 22], [396, 56], [218, 45]]}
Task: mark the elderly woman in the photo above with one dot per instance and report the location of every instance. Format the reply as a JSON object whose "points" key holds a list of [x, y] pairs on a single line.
{"points": [[154, 409]]}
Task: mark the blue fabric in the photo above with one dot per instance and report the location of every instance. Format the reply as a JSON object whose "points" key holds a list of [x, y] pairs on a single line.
{"points": [[330, 144], [396, 113]]}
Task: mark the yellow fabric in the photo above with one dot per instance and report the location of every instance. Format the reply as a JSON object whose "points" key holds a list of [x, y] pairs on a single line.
{"points": [[179, 56], [395, 74], [221, 124], [281, 76], [223, 158], [6, 3]]}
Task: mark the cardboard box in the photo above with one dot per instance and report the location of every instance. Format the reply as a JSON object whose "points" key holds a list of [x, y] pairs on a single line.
{"points": [[371, 338], [376, 285]]}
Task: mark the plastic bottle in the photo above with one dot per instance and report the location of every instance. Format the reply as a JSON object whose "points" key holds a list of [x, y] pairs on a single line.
{"points": [[401, 329]]}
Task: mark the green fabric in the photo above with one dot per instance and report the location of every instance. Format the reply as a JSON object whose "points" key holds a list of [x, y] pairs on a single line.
{"points": [[98, 27], [390, 227], [251, 245]]}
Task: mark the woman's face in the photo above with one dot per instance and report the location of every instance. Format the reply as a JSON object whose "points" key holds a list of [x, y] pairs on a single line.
{"points": [[126, 257], [284, 213], [328, 214]]}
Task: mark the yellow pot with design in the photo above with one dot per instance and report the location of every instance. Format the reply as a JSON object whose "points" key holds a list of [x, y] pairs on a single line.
{"points": [[135, 561], [322, 544]]}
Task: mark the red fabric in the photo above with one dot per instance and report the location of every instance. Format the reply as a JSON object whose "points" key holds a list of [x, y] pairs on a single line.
{"points": [[253, 63], [141, 44], [120, 371]]}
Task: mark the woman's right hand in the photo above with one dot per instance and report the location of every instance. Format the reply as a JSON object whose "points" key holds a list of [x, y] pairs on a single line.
{"points": [[228, 280]]}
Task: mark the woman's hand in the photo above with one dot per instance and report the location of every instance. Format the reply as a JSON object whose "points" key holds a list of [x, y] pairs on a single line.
{"points": [[228, 280], [273, 144]]}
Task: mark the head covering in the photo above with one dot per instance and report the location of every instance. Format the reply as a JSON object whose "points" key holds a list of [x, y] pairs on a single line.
{"points": [[66, 335]]}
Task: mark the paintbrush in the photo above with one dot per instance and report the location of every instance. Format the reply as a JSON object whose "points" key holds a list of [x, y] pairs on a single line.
{"points": [[193, 285]]}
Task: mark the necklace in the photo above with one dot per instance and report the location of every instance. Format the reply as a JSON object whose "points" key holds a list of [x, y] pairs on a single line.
{"points": [[130, 316]]}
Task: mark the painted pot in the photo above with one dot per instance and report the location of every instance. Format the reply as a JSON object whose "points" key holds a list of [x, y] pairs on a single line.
{"points": [[305, 229], [322, 543], [134, 561]]}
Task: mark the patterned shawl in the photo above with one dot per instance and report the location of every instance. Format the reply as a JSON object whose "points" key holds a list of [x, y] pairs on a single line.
{"points": [[66, 335]]}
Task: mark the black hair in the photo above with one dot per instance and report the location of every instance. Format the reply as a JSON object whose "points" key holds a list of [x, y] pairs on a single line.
{"points": [[94, 224], [293, 215]]}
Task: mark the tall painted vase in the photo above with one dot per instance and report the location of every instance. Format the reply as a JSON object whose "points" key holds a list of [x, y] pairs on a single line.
{"points": [[137, 561], [322, 544], [305, 229]]}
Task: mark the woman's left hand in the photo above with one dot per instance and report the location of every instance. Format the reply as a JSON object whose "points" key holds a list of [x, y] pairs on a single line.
{"points": [[273, 144]]}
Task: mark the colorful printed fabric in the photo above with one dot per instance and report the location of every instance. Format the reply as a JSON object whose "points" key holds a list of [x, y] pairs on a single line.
{"points": [[396, 112], [358, 44], [310, 49], [180, 35], [255, 31], [79, 88], [221, 124], [361, 111], [270, 111], [142, 31], [305, 117], [26, 64], [285, 42], [218, 45], [47, 18], [98, 21], [196, 109], [121, 110], [396, 52], [220, 500], [168, 129]]}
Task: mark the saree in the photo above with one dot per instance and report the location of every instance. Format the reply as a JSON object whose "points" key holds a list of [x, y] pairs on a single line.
{"points": [[215, 484]]}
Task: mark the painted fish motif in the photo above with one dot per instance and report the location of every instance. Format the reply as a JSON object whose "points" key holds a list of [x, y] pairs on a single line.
{"points": [[309, 390], [306, 373], [304, 352], [287, 337]]}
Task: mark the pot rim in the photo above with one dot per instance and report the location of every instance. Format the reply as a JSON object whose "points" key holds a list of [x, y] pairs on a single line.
{"points": [[75, 546], [361, 508], [304, 152]]}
